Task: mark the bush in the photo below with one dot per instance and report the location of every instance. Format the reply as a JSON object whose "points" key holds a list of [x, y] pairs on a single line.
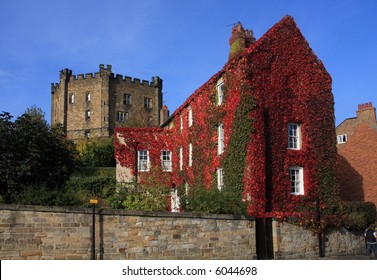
{"points": [[88, 187], [358, 215]]}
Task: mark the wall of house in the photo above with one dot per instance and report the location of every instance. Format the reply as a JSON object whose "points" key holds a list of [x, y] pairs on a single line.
{"points": [[59, 233]]}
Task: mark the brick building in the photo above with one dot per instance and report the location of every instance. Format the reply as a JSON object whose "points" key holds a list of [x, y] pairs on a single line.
{"points": [[263, 126], [92, 105], [357, 148]]}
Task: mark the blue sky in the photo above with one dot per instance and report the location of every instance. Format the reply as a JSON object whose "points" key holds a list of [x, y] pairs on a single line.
{"points": [[184, 42]]}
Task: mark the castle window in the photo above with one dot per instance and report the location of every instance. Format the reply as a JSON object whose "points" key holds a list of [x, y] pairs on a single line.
{"points": [[88, 96], [87, 134], [190, 117], [296, 177], [147, 103], [220, 92], [166, 161], [72, 98], [294, 136], [143, 161], [220, 139], [127, 99], [87, 115], [342, 138], [220, 179], [122, 116]]}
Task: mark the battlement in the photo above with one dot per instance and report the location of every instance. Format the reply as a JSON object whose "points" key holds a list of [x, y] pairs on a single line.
{"points": [[365, 106], [155, 81]]}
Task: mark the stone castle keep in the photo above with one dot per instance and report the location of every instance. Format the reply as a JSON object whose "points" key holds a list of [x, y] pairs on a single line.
{"points": [[92, 105]]}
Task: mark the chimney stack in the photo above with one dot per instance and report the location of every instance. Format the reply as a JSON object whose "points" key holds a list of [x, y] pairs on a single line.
{"points": [[240, 40]]}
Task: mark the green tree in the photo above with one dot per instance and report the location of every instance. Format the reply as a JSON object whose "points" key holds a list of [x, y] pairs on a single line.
{"points": [[33, 155]]}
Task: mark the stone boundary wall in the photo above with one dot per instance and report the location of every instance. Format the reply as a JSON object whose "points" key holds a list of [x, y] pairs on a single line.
{"points": [[56, 233], [294, 242]]}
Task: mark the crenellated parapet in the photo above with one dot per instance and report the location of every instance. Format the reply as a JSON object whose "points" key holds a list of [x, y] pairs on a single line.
{"points": [[67, 73]]}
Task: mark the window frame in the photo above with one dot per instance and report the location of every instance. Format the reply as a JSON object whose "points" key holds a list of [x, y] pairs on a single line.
{"points": [[294, 139], [88, 96], [122, 116], [166, 161], [127, 99], [143, 164], [190, 116], [220, 179], [181, 158], [147, 102], [87, 115], [190, 155], [174, 200], [341, 138], [296, 179], [220, 139], [71, 98]]}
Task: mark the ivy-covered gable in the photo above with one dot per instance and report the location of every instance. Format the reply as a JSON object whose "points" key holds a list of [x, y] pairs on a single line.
{"points": [[261, 129]]}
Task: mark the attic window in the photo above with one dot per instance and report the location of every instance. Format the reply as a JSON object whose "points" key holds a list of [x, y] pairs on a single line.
{"points": [[342, 138]]}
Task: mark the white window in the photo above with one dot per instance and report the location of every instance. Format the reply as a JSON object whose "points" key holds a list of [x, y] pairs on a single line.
{"points": [[175, 202], [72, 98], [190, 155], [143, 161], [296, 177], [190, 117], [88, 96], [294, 136], [181, 124], [220, 92], [220, 139], [166, 162], [180, 158], [342, 138], [220, 179]]}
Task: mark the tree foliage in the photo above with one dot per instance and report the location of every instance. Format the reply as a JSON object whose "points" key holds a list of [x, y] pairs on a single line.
{"points": [[97, 152], [32, 154]]}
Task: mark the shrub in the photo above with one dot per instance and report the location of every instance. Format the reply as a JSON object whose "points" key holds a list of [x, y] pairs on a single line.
{"points": [[358, 215]]}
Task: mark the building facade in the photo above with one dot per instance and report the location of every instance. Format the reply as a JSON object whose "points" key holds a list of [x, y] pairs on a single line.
{"points": [[357, 148], [92, 105], [263, 125]]}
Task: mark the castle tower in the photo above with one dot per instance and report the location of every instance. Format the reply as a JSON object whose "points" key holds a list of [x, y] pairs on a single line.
{"points": [[240, 40], [92, 105]]}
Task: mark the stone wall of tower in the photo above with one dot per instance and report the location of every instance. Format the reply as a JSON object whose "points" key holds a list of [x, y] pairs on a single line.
{"points": [[92, 105]]}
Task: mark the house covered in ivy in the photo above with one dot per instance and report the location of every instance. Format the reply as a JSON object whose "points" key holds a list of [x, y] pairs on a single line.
{"points": [[261, 130]]}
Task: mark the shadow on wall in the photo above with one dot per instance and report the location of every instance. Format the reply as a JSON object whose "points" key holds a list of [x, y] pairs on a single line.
{"points": [[350, 181]]}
